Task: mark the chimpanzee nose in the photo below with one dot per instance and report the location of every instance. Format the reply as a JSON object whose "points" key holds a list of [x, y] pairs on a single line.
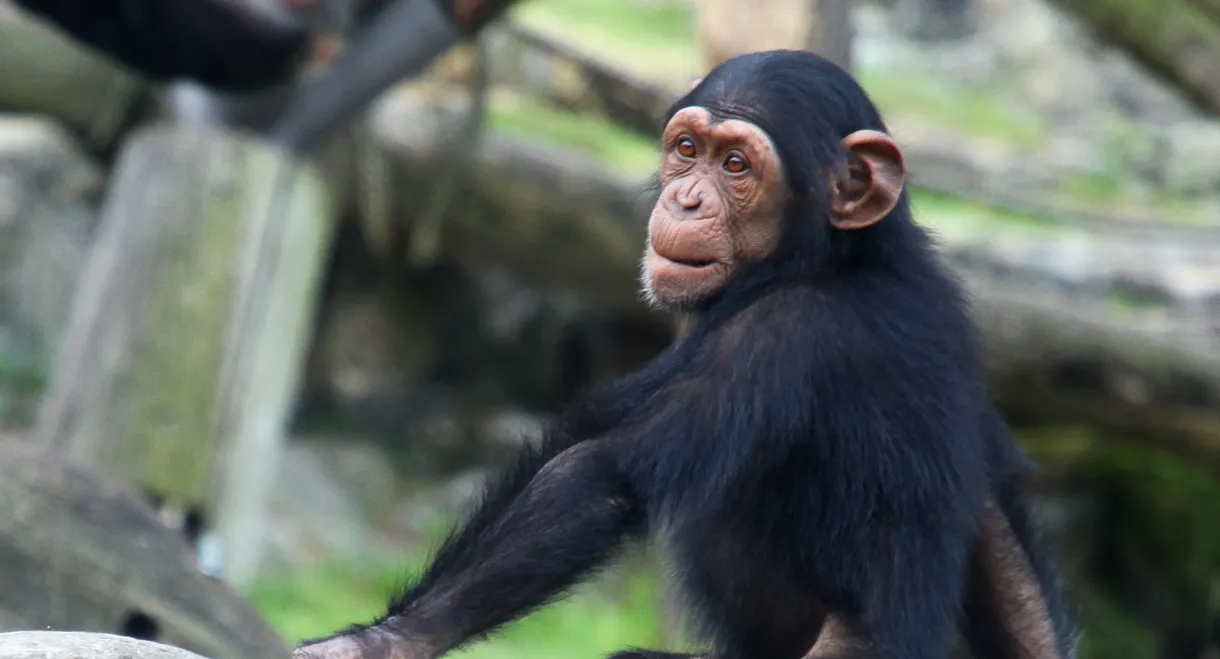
{"points": [[688, 200]]}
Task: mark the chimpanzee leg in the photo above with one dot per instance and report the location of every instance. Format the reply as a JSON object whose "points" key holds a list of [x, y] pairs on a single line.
{"points": [[570, 518], [910, 597], [1013, 608]]}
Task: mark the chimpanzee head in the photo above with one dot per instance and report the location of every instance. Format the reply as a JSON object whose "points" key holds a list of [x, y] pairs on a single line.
{"points": [[768, 165]]}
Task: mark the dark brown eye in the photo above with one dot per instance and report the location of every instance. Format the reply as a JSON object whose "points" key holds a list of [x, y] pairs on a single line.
{"points": [[686, 148], [735, 164]]}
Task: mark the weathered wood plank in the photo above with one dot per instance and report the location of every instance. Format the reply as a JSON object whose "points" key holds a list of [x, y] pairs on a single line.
{"points": [[190, 324]]}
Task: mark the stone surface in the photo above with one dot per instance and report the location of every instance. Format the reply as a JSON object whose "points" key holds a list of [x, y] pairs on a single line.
{"points": [[82, 645]]}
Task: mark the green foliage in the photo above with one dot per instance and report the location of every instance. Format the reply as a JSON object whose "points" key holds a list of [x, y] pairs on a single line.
{"points": [[1170, 508], [1111, 631]]}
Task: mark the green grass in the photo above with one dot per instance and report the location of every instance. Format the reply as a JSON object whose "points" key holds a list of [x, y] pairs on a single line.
{"points": [[599, 618]]}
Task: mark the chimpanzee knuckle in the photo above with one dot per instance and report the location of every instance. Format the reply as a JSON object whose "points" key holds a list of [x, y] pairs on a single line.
{"points": [[340, 647]]}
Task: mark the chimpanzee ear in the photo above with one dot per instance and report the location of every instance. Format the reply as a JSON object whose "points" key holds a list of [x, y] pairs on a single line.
{"points": [[875, 175], [694, 83]]}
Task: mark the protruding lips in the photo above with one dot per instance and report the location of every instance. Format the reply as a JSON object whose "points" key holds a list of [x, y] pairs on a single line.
{"points": [[688, 262]]}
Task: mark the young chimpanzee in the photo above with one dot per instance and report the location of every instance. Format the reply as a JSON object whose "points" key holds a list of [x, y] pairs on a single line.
{"points": [[817, 451]]}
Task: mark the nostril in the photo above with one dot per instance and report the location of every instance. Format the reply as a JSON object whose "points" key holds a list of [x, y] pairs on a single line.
{"points": [[690, 202]]}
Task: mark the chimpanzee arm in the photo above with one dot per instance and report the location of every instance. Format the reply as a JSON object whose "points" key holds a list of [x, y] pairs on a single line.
{"points": [[225, 44], [569, 520], [1014, 606], [401, 39], [560, 510]]}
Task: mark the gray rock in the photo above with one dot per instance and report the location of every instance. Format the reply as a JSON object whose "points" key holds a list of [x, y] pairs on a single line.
{"points": [[84, 645]]}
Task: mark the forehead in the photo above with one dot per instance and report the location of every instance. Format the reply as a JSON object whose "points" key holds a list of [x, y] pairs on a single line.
{"points": [[716, 127]]}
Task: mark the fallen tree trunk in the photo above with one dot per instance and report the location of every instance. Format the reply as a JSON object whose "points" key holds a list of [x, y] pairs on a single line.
{"points": [[81, 552], [83, 645]]}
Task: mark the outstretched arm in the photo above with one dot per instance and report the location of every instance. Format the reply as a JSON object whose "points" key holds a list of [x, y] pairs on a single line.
{"points": [[224, 44], [400, 40], [516, 553], [560, 510]]}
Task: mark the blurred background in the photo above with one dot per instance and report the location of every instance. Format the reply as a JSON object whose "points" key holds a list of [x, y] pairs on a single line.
{"points": [[243, 394]]}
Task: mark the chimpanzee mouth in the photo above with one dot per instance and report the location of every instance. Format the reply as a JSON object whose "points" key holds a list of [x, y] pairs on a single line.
{"points": [[694, 263], [687, 262]]}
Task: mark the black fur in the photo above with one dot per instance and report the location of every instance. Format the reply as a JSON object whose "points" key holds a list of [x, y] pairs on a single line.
{"points": [[820, 439], [219, 43]]}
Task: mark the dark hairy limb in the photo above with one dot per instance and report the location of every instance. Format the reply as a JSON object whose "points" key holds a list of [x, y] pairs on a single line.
{"points": [[225, 44], [402, 39], [1013, 607], [524, 546]]}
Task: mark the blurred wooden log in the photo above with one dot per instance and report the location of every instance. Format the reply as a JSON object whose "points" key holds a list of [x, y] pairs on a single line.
{"points": [[184, 347], [81, 552], [546, 215], [47, 73], [1178, 39], [84, 645]]}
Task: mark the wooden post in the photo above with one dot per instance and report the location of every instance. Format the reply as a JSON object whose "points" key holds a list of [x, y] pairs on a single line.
{"points": [[935, 20], [834, 31], [189, 326], [728, 28]]}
